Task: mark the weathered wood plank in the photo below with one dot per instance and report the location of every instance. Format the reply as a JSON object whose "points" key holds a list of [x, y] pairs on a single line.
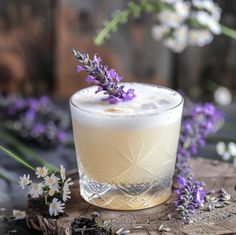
{"points": [[215, 174]]}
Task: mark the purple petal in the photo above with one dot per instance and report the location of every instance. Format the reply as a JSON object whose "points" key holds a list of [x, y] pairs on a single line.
{"points": [[97, 59], [89, 79], [79, 68], [61, 135], [181, 181]]}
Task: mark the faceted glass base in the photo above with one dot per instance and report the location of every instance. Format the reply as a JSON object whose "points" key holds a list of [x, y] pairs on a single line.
{"points": [[125, 197]]}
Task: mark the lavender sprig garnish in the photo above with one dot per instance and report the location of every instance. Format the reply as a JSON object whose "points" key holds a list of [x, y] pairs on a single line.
{"points": [[202, 121], [106, 79]]}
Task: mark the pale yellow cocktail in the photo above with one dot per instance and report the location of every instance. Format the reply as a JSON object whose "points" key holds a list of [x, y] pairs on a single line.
{"points": [[126, 152]]}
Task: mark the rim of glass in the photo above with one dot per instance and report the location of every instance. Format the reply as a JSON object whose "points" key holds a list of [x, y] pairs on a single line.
{"points": [[129, 115]]}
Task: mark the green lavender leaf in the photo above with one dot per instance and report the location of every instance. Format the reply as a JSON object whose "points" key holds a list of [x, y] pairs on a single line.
{"points": [[8, 138], [17, 158]]}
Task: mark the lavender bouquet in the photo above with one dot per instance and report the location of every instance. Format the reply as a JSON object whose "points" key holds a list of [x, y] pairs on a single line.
{"points": [[34, 120]]}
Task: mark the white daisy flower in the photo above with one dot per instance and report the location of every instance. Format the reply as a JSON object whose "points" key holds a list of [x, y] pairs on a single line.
{"points": [[56, 207], [66, 190], [232, 149], [62, 173], [220, 148], [36, 190], [51, 192], [52, 182], [24, 181], [200, 37], [41, 172], [18, 214]]}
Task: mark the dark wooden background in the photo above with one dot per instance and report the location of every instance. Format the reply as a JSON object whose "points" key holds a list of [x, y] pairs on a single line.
{"points": [[36, 38]]}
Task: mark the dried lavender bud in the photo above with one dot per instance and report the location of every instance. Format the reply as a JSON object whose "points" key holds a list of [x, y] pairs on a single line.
{"points": [[88, 226], [106, 79]]}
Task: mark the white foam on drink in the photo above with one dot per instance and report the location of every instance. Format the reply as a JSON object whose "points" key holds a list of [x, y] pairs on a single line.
{"points": [[150, 101]]}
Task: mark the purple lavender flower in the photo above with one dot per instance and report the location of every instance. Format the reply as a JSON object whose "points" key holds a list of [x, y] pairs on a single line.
{"points": [[202, 121], [106, 79], [189, 197], [35, 120]]}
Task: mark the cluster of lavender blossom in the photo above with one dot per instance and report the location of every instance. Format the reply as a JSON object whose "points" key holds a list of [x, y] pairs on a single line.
{"points": [[107, 80], [182, 23], [35, 120], [203, 120]]}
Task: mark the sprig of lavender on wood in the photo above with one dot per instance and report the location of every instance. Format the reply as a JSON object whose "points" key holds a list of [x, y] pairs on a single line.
{"points": [[202, 121], [107, 80]]}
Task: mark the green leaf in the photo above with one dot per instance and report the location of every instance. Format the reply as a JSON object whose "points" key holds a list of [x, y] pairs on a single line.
{"points": [[17, 158], [228, 31], [8, 138]]}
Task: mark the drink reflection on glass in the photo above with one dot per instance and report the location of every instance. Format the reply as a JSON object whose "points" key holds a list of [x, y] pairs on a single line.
{"points": [[126, 152]]}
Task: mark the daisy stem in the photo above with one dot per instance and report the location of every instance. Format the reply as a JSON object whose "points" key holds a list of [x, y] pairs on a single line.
{"points": [[27, 151], [46, 199], [17, 158], [228, 31]]}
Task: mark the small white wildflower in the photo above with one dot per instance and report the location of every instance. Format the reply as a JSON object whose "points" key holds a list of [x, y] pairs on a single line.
{"points": [[18, 214], [182, 9], [66, 190], [210, 6], [24, 181], [232, 149], [206, 19], [56, 207], [222, 96], [199, 37], [52, 182], [170, 18], [159, 31], [51, 192], [220, 148], [178, 42], [226, 156], [36, 190], [41, 172], [62, 173]]}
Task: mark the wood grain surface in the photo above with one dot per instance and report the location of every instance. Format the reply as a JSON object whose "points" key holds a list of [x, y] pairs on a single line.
{"points": [[215, 174]]}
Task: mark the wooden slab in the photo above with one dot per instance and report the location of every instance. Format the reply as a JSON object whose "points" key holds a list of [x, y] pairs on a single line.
{"points": [[215, 174]]}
